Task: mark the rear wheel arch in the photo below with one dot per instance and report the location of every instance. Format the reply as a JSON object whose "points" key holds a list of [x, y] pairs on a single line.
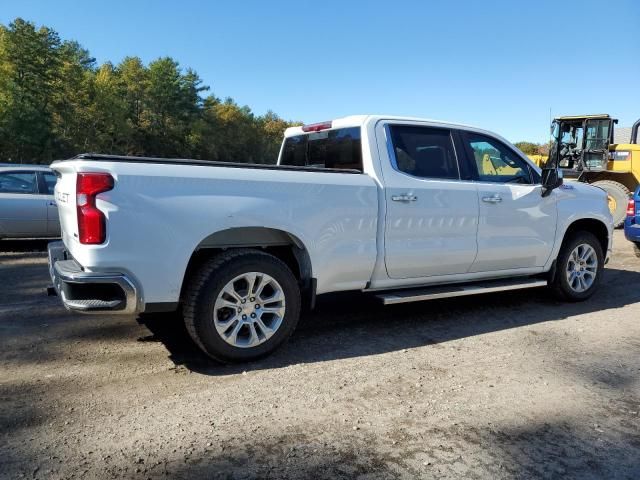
{"points": [[279, 243]]}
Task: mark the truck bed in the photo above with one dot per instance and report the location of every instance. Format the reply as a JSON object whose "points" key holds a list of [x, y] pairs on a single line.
{"points": [[161, 211], [97, 157]]}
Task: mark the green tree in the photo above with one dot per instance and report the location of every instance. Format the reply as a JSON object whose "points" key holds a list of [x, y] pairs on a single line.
{"points": [[135, 81], [108, 112], [173, 103], [55, 102], [31, 62], [528, 148], [71, 100], [272, 128]]}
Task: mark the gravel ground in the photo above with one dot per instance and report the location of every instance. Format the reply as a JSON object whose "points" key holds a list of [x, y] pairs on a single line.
{"points": [[512, 385]]}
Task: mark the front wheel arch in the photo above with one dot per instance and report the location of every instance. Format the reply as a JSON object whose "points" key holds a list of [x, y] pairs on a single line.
{"points": [[591, 225]]}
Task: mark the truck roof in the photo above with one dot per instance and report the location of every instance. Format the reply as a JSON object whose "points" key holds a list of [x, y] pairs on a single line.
{"points": [[360, 120]]}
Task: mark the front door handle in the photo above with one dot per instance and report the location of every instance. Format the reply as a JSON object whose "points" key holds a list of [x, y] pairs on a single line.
{"points": [[52, 204], [495, 198], [404, 198]]}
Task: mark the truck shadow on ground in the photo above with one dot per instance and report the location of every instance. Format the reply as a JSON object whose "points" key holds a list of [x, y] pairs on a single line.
{"points": [[349, 325], [558, 449]]}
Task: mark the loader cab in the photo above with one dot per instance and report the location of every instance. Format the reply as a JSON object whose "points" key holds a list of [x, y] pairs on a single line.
{"points": [[583, 147], [581, 143]]}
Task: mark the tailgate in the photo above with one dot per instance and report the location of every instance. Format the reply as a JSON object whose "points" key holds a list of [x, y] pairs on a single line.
{"points": [[65, 195]]}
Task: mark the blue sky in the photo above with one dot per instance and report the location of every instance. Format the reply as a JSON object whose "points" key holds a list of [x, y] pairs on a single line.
{"points": [[497, 64]]}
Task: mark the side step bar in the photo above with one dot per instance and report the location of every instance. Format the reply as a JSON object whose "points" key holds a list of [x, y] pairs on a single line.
{"points": [[457, 290]]}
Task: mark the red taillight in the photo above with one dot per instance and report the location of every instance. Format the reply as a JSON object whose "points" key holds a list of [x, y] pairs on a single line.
{"points": [[316, 127], [91, 221], [631, 208]]}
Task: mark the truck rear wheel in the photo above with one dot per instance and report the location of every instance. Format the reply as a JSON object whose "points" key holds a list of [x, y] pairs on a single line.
{"points": [[579, 267], [241, 305], [617, 196]]}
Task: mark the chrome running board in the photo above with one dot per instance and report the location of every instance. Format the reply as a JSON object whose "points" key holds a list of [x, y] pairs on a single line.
{"points": [[457, 290]]}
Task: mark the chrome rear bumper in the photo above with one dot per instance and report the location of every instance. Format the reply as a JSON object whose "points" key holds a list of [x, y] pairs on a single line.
{"points": [[89, 292]]}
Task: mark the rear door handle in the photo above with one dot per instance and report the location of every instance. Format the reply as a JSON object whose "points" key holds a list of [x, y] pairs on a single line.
{"points": [[404, 198], [495, 198]]}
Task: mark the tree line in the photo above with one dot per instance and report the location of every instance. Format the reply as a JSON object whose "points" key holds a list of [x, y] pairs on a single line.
{"points": [[530, 148], [56, 102]]}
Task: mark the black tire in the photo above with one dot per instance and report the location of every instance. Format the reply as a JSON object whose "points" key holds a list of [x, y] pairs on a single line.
{"points": [[620, 194], [205, 285], [560, 284]]}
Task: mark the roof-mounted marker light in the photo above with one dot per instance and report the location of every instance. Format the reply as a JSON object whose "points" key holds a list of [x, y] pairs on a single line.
{"points": [[316, 127]]}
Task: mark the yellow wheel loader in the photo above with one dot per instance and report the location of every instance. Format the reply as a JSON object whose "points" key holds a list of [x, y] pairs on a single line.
{"points": [[583, 147]]}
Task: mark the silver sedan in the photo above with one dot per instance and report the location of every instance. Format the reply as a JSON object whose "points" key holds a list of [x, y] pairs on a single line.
{"points": [[27, 206]]}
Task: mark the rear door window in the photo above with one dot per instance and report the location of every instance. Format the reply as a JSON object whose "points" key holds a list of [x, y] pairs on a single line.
{"points": [[340, 148], [424, 152], [18, 182]]}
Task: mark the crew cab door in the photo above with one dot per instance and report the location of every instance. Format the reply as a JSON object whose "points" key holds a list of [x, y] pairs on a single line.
{"points": [[431, 214], [517, 224]]}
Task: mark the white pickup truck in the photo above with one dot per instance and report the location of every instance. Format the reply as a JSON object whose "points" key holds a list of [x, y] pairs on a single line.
{"points": [[405, 208]]}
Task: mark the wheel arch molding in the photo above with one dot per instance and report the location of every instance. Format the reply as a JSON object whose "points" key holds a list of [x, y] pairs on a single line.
{"points": [[281, 244]]}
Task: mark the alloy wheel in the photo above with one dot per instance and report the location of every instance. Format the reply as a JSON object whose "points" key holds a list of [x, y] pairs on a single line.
{"points": [[582, 268], [249, 309]]}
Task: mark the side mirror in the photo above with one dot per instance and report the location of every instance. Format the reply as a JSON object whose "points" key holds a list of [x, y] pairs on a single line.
{"points": [[551, 179]]}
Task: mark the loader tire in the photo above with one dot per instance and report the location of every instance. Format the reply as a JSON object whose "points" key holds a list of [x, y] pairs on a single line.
{"points": [[617, 196]]}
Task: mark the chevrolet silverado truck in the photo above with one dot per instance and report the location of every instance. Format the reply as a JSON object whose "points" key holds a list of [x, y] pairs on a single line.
{"points": [[407, 209]]}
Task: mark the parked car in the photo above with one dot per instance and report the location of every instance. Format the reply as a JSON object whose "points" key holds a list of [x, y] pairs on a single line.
{"points": [[632, 222], [404, 208], [27, 205]]}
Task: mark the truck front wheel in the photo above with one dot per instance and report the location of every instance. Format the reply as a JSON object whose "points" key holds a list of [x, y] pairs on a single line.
{"points": [[241, 305], [579, 267]]}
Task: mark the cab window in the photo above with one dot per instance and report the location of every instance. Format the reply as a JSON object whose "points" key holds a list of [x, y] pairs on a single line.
{"points": [[495, 162], [337, 149], [424, 152]]}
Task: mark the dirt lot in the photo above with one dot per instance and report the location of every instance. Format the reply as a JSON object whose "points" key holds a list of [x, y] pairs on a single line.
{"points": [[511, 385]]}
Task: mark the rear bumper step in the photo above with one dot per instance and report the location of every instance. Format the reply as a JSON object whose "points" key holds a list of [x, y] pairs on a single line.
{"points": [[89, 292], [457, 290]]}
